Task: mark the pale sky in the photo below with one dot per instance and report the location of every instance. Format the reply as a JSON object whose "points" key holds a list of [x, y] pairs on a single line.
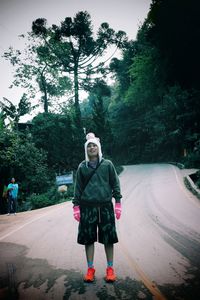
{"points": [[16, 18]]}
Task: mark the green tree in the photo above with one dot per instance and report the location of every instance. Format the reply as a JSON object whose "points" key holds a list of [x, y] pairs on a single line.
{"points": [[120, 69], [73, 48], [35, 75], [20, 158], [148, 84], [157, 112], [54, 134], [13, 112], [173, 27], [100, 93], [2, 118], [141, 85], [31, 169]]}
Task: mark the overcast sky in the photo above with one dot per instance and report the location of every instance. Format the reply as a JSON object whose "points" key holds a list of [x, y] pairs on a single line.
{"points": [[16, 17]]}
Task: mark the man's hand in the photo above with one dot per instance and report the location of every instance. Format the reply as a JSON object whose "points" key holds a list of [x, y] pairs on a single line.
{"points": [[118, 210], [77, 213]]}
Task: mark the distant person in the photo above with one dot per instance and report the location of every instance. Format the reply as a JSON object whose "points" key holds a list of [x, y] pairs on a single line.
{"points": [[12, 191], [96, 183]]}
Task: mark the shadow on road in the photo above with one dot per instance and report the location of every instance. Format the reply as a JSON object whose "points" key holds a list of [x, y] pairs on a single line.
{"points": [[22, 277], [26, 278]]}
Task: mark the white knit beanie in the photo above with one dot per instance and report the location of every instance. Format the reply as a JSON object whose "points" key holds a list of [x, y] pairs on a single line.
{"points": [[91, 138]]}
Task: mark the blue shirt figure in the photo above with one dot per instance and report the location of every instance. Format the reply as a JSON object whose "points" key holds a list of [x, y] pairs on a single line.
{"points": [[13, 189], [12, 196]]}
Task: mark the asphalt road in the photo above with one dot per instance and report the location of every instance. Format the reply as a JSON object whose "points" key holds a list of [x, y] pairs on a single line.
{"points": [[158, 256]]}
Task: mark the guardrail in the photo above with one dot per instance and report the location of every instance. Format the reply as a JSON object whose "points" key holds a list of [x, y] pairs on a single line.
{"points": [[189, 183]]}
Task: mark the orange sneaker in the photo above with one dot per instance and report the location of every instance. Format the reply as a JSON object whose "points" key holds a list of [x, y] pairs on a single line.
{"points": [[89, 277], [110, 275]]}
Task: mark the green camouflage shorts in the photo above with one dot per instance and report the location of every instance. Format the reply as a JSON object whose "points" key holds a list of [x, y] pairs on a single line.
{"points": [[98, 220]]}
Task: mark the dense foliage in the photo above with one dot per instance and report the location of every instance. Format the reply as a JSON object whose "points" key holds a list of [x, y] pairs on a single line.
{"points": [[155, 106]]}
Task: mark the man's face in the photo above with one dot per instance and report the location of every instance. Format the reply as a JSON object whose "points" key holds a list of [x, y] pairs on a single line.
{"points": [[92, 150]]}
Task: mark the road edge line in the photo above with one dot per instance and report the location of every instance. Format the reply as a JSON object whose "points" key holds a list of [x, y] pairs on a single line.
{"points": [[151, 286]]}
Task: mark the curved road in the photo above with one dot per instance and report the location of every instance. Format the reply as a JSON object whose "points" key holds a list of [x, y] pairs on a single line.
{"points": [[158, 256]]}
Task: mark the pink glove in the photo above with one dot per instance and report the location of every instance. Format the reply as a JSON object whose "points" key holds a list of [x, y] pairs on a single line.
{"points": [[118, 210], [77, 213]]}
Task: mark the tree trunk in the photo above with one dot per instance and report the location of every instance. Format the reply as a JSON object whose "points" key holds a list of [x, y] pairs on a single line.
{"points": [[76, 94], [78, 132], [45, 98]]}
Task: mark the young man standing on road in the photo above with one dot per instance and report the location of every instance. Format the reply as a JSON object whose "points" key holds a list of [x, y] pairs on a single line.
{"points": [[96, 183], [12, 191]]}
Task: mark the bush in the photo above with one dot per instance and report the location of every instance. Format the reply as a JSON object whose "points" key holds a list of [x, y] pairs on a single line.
{"points": [[38, 201], [46, 199], [70, 191], [192, 160], [24, 206]]}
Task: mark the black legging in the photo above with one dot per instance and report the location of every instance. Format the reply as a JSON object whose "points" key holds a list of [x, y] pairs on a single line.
{"points": [[12, 204]]}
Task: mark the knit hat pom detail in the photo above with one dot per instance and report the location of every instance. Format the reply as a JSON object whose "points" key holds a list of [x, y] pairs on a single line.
{"points": [[91, 138], [90, 135]]}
